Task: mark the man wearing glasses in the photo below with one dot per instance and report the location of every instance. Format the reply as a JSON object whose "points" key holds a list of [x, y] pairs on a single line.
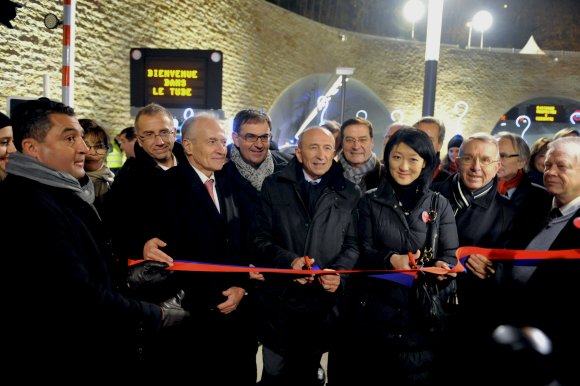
{"points": [[135, 191], [484, 220], [250, 162], [361, 165], [514, 183]]}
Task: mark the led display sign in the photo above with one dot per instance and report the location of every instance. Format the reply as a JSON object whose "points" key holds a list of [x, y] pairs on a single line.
{"points": [[546, 113], [176, 79]]}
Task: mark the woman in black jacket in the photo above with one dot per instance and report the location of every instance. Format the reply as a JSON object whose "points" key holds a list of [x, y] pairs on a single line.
{"points": [[395, 345]]}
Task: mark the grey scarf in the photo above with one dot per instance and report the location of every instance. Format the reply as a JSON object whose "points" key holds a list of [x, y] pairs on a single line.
{"points": [[353, 174], [255, 176], [25, 166]]}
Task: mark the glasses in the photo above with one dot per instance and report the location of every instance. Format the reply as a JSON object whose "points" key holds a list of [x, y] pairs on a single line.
{"points": [[99, 148], [469, 160], [361, 140], [150, 136], [254, 138], [505, 156]]}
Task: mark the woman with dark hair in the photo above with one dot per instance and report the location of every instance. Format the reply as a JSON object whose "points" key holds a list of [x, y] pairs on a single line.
{"points": [[395, 344], [97, 140], [536, 162]]}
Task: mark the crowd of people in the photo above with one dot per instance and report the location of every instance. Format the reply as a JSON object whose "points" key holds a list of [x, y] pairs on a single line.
{"points": [[100, 252]]}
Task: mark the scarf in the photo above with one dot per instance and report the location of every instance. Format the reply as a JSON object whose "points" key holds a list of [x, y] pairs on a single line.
{"points": [[437, 170], [25, 166], [463, 197], [353, 174], [503, 186], [254, 176], [102, 180]]}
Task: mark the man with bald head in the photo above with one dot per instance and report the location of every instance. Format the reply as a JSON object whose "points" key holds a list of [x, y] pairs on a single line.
{"points": [[197, 219], [303, 217]]}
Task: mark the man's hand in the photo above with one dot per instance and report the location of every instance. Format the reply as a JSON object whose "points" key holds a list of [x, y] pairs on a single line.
{"points": [[151, 251], [330, 283], [302, 263], [147, 274], [256, 275], [480, 266], [172, 314], [235, 296]]}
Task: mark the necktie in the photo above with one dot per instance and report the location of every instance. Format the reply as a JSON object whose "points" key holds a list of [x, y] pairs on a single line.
{"points": [[555, 213], [209, 186]]}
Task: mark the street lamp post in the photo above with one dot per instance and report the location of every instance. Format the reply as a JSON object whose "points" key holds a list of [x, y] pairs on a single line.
{"points": [[413, 12], [470, 25], [432, 47], [343, 72], [481, 22]]}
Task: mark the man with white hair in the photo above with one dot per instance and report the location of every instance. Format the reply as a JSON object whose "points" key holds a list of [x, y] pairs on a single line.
{"points": [[547, 290]]}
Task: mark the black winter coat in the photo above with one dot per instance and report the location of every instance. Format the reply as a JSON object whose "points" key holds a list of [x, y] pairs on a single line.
{"points": [[285, 230], [248, 198], [133, 197], [388, 332], [69, 317]]}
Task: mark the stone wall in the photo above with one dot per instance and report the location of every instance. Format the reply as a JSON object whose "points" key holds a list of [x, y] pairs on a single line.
{"points": [[266, 49]]}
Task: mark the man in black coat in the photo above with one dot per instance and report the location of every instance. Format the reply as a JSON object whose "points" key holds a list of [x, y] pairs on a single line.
{"points": [[484, 219], [135, 193], [544, 293], [361, 165], [304, 216], [75, 321], [435, 129], [250, 162], [198, 220]]}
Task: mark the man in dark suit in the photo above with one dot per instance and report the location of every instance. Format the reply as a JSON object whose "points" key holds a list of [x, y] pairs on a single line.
{"points": [[361, 165], [250, 162], [136, 190], [78, 321], [198, 220], [546, 296], [435, 129], [304, 213], [484, 219]]}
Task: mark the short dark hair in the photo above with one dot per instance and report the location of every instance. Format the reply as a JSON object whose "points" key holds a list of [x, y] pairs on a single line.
{"points": [[419, 141], [356, 121], [440, 125], [92, 127], [250, 116], [153, 109], [129, 133], [332, 126], [31, 119]]}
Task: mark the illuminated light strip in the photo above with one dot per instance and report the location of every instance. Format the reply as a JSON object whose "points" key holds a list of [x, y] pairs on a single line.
{"points": [[363, 114], [529, 123], [331, 91], [68, 53], [397, 115], [575, 117]]}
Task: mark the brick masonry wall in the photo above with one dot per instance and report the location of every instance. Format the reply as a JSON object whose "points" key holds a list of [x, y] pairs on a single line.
{"points": [[266, 49]]}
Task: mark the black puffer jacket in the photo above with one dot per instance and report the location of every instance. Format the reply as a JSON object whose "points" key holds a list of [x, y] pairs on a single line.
{"points": [[383, 310]]}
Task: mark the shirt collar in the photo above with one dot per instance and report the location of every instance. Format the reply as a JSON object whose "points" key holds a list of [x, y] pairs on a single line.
{"points": [[570, 207]]}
